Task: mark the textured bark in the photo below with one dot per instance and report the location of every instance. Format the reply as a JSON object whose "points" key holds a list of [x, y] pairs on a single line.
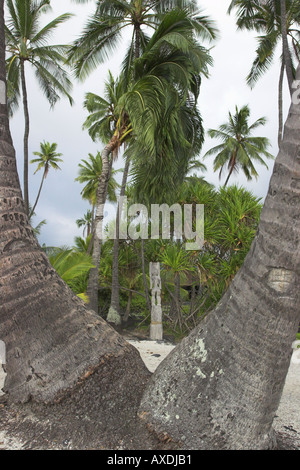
{"points": [[26, 137], [114, 314], [92, 288], [285, 46], [54, 344], [280, 103], [221, 386]]}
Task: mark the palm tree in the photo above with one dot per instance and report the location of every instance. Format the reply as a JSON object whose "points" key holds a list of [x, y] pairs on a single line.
{"points": [[27, 43], [86, 222], [278, 24], [59, 319], [176, 260], [90, 170], [239, 148], [48, 158], [150, 107], [114, 314], [232, 367], [103, 32]]}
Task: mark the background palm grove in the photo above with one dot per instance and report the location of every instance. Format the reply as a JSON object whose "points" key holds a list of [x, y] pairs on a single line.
{"points": [[231, 215], [162, 102]]}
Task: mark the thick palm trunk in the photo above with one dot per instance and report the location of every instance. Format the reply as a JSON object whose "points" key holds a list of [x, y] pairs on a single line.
{"points": [[221, 386], [286, 50], [26, 137], [114, 314], [55, 347]]}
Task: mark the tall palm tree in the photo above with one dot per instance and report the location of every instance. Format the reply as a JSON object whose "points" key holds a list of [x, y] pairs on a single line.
{"points": [[278, 24], [90, 171], [31, 290], [150, 106], [103, 32], [27, 43], [73, 351], [47, 158], [239, 148]]}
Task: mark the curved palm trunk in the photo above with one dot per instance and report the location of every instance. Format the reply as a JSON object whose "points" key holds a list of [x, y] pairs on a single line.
{"points": [[38, 196], [114, 315], [57, 350], [233, 365], [285, 46], [231, 168], [26, 137], [92, 288]]}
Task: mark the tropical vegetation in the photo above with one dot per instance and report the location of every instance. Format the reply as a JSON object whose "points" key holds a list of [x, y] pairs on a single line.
{"points": [[27, 42]]}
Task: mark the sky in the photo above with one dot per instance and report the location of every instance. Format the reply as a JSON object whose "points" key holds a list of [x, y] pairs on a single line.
{"points": [[60, 203]]}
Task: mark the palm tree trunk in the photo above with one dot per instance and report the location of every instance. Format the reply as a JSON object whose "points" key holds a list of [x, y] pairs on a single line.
{"points": [[38, 196], [146, 289], [91, 244], [55, 345], [229, 174], [92, 288], [26, 136], [177, 299], [280, 102], [137, 41], [114, 315], [127, 311], [286, 50], [237, 358]]}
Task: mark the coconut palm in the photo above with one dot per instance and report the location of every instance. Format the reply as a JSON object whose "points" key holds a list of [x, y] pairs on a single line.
{"points": [[73, 351], [177, 261], [278, 24], [103, 32], [239, 148], [47, 158], [86, 222], [149, 110], [27, 43], [90, 170]]}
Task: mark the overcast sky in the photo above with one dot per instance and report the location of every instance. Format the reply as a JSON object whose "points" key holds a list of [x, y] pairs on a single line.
{"points": [[60, 203]]}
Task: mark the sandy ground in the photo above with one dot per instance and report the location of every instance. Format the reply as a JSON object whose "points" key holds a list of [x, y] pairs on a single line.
{"points": [[287, 421]]}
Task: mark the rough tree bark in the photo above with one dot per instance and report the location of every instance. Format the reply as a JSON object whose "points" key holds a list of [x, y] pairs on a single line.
{"points": [[57, 349], [280, 104], [114, 314], [92, 288], [285, 46], [218, 389], [221, 386], [26, 136]]}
